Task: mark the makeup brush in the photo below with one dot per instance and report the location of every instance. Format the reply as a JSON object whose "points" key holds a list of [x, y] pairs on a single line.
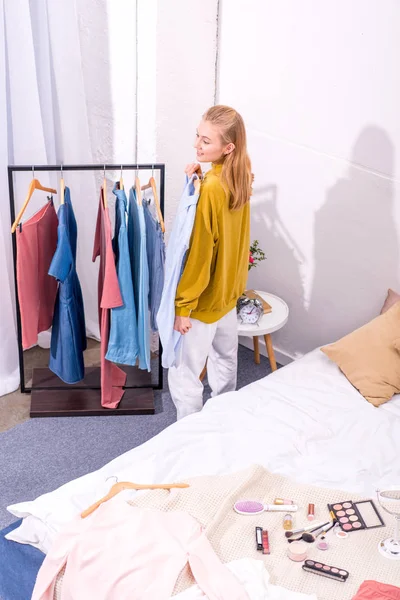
{"points": [[312, 527], [324, 531], [305, 537], [310, 537]]}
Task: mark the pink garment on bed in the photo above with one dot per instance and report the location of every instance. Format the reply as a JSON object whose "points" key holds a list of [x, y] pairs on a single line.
{"points": [[109, 296], [122, 552], [374, 590], [36, 244]]}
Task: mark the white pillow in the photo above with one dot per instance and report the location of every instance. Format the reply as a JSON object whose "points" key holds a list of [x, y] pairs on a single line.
{"points": [[32, 531]]}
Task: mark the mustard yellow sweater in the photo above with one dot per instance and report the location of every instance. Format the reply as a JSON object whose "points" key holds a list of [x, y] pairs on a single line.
{"points": [[216, 268]]}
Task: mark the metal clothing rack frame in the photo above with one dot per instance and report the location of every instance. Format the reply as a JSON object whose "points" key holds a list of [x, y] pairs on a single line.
{"points": [[50, 396]]}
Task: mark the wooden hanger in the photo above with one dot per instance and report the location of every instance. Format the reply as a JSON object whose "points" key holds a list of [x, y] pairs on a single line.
{"points": [[121, 181], [197, 185], [34, 185], [105, 188], [152, 185], [138, 191], [62, 187], [127, 485]]}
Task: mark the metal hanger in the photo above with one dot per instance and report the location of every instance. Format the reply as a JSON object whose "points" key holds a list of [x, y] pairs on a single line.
{"points": [[104, 188], [62, 187]]}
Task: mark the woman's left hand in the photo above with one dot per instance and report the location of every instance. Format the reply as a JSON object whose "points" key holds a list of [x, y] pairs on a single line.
{"points": [[182, 324]]}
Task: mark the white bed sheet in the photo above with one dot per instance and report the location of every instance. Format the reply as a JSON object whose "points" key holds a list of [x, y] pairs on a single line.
{"points": [[305, 421]]}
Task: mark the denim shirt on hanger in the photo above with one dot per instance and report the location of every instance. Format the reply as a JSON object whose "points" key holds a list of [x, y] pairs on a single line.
{"points": [[177, 248], [140, 276], [123, 344], [68, 335], [156, 260]]}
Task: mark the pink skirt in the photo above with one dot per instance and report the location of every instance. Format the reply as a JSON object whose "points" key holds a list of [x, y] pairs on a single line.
{"points": [[36, 244]]}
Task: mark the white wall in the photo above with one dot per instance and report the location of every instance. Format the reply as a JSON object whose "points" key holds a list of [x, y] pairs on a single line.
{"points": [[186, 50], [319, 88]]}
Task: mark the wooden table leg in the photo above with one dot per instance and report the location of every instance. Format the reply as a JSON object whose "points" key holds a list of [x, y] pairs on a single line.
{"points": [[203, 373], [270, 350], [256, 350]]}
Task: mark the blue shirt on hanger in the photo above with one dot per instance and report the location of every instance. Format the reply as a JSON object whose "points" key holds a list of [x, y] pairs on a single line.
{"points": [[140, 276], [68, 335], [123, 344], [177, 248], [156, 259]]}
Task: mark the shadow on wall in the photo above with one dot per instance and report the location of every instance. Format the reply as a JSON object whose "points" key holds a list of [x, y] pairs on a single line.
{"points": [[356, 252], [276, 241]]}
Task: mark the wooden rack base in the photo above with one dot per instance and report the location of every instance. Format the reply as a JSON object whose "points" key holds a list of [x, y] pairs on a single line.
{"points": [[51, 397]]}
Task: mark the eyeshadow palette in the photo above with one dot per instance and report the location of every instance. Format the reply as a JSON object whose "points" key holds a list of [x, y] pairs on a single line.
{"points": [[353, 516], [313, 566]]}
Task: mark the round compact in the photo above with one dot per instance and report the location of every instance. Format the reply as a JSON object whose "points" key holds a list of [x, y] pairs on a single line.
{"points": [[297, 551], [341, 534], [322, 545]]}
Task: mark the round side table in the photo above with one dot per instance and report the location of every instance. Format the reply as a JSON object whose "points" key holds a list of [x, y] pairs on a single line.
{"points": [[268, 323]]}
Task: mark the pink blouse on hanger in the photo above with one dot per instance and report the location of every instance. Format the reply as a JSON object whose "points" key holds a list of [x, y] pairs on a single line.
{"points": [[36, 245], [112, 377], [121, 552]]}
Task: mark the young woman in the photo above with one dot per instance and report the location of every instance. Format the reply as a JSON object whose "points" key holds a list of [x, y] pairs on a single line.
{"points": [[216, 268]]}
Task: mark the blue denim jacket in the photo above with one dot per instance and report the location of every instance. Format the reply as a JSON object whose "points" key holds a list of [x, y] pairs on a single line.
{"points": [[177, 248], [156, 261], [140, 276], [123, 344], [68, 335]]}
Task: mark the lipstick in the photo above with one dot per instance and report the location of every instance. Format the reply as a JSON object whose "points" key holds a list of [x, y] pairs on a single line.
{"points": [[265, 542]]}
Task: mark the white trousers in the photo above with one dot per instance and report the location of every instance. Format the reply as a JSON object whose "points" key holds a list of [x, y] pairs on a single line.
{"points": [[217, 342]]}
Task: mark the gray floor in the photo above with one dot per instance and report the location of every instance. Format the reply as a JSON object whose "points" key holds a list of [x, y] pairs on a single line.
{"points": [[39, 455]]}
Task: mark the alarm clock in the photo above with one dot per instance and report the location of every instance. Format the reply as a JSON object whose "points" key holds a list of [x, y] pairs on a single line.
{"points": [[250, 310]]}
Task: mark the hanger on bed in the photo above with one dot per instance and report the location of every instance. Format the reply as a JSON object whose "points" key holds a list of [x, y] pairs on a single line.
{"points": [[34, 185], [152, 184], [127, 485], [62, 187], [138, 189]]}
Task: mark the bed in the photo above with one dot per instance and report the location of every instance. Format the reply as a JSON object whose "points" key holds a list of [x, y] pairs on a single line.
{"points": [[305, 421]]}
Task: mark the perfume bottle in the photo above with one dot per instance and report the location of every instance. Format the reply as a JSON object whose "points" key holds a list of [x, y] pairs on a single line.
{"points": [[287, 522]]}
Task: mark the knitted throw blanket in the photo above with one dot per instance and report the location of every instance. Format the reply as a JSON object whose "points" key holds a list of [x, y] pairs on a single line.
{"points": [[210, 499]]}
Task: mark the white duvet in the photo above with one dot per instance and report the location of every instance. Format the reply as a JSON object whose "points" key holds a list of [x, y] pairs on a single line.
{"points": [[254, 577], [305, 421]]}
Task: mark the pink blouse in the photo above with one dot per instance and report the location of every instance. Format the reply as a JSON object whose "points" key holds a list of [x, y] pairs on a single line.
{"points": [[122, 552], [112, 377]]}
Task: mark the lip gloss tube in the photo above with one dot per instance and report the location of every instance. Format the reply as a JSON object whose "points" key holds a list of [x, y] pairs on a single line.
{"points": [[282, 501], [311, 512]]}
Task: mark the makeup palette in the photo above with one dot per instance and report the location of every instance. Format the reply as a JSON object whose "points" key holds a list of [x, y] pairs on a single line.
{"points": [[354, 516], [318, 568]]}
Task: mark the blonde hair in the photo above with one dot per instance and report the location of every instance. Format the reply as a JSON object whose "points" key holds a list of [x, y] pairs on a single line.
{"points": [[236, 173]]}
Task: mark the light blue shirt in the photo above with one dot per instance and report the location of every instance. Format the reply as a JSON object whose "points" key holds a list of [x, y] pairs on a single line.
{"points": [[140, 276], [156, 261], [123, 344], [177, 248]]}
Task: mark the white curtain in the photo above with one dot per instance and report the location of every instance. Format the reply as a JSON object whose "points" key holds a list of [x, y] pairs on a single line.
{"points": [[47, 86], [9, 373]]}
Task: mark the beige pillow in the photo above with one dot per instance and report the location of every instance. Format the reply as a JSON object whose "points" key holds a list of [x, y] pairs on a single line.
{"points": [[391, 298], [369, 358]]}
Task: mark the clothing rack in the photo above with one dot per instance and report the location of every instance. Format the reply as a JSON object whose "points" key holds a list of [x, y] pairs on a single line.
{"points": [[50, 396]]}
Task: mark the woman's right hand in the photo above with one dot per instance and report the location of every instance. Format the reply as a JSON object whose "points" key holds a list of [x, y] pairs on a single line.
{"points": [[193, 168]]}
